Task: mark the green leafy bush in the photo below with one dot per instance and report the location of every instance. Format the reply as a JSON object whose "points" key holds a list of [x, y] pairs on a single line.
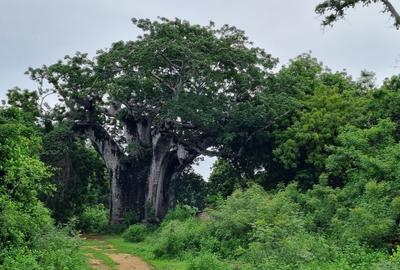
{"points": [[208, 261], [28, 237], [136, 233], [94, 219], [176, 237], [180, 212], [255, 229]]}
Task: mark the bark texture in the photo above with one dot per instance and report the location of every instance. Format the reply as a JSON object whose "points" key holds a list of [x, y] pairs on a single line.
{"points": [[142, 181]]}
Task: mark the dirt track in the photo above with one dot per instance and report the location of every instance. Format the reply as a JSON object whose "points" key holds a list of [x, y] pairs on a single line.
{"points": [[103, 256]]}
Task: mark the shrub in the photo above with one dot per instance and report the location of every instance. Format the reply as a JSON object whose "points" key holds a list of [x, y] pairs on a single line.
{"points": [[136, 233], [130, 218], [94, 219], [21, 227], [19, 258], [180, 212], [392, 263], [208, 261], [176, 237], [55, 250]]}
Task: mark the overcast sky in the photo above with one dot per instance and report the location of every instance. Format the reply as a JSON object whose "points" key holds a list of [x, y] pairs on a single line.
{"points": [[36, 32]]}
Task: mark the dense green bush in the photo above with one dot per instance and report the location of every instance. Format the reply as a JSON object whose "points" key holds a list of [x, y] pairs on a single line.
{"points": [[175, 237], [94, 219], [255, 229], [136, 233], [180, 212], [55, 250], [28, 237], [207, 261]]}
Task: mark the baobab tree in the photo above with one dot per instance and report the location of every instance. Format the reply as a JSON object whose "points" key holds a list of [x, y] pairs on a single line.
{"points": [[152, 105]]}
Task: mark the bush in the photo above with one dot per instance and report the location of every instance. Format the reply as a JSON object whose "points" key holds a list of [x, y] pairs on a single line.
{"points": [[392, 263], [28, 238], [180, 212], [22, 227], [281, 230], [208, 261], [136, 233], [94, 219], [176, 237], [130, 218], [55, 250]]}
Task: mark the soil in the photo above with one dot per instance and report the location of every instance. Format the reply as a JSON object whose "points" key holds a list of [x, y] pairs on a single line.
{"points": [[123, 261]]}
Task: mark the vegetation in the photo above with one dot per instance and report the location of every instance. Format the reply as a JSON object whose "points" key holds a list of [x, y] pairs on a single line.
{"points": [[153, 105], [28, 236], [307, 176]]}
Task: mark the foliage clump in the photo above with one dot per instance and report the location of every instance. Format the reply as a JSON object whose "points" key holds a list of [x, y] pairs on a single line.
{"points": [[136, 233], [28, 237], [94, 219]]}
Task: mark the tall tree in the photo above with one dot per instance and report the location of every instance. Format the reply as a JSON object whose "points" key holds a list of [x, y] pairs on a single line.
{"points": [[334, 10], [152, 105]]}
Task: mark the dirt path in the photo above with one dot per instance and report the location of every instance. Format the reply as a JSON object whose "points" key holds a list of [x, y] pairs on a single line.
{"points": [[103, 256]]}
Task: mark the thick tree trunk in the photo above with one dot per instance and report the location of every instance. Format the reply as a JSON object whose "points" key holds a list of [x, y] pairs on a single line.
{"points": [[158, 182], [128, 175], [141, 183], [168, 162], [128, 190]]}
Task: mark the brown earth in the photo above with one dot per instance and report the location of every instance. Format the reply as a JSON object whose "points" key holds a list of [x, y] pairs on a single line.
{"points": [[123, 261]]}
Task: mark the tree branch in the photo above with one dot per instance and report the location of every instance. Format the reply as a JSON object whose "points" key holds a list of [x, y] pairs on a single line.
{"points": [[103, 142], [389, 6], [163, 82]]}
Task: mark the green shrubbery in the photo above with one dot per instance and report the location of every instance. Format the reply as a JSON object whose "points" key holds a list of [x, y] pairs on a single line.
{"points": [[176, 236], [28, 237], [94, 219], [285, 229], [180, 212], [207, 261], [135, 233]]}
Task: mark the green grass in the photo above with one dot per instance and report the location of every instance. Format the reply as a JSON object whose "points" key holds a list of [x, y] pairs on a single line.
{"points": [[82, 253], [142, 250], [103, 258], [98, 254]]}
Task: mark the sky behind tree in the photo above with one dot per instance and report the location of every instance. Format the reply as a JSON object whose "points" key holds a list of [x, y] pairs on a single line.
{"points": [[40, 32]]}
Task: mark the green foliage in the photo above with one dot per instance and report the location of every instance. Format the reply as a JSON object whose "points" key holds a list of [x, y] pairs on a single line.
{"points": [[206, 261], [328, 102], [368, 158], [136, 233], [285, 229], [28, 238], [180, 212], [79, 173], [176, 237], [25, 100], [94, 219], [191, 189], [224, 179]]}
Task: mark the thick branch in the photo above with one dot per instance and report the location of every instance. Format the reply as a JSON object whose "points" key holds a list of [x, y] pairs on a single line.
{"points": [[389, 6], [103, 142]]}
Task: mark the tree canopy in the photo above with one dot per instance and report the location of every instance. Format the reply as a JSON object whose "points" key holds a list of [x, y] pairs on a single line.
{"points": [[176, 92]]}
